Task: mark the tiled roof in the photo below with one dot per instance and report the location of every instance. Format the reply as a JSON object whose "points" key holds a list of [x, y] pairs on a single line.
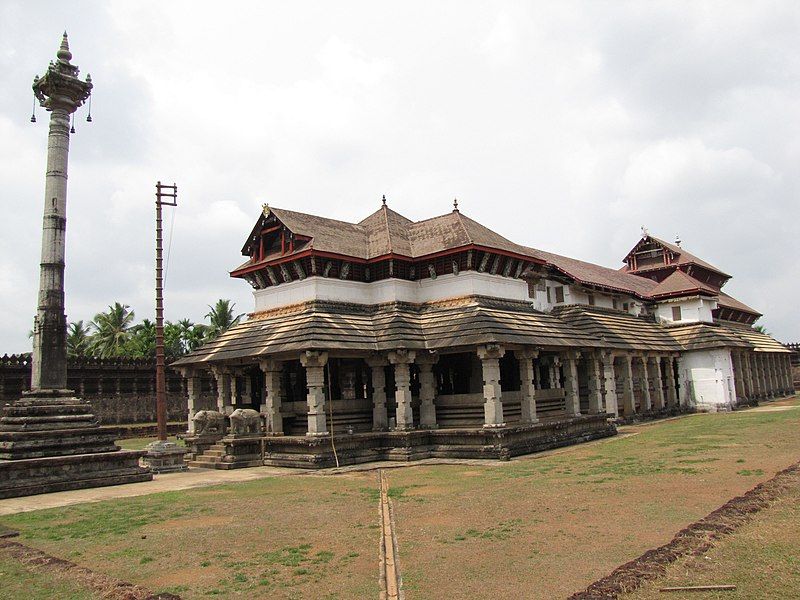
{"points": [[679, 283], [682, 257], [760, 342], [328, 235], [726, 301], [588, 273]]}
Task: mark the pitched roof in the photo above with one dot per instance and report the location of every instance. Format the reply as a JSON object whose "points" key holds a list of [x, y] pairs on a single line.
{"points": [[387, 232], [327, 235], [726, 301], [702, 336], [679, 283], [588, 273], [760, 342], [682, 257]]}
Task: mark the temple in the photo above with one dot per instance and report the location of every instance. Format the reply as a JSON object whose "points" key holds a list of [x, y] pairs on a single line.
{"points": [[394, 339]]}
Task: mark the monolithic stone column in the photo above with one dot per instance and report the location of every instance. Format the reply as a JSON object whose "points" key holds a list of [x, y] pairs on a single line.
{"points": [[527, 377], [738, 377], [572, 398], [762, 380], [223, 377], [644, 382], [773, 372], [490, 356], [672, 391], [787, 361], [750, 393], [61, 92], [595, 384], [402, 360], [380, 418], [314, 363], [427, 390], [609, 383], [658, 383], [555, 372], [273, 398], [628, 399]]}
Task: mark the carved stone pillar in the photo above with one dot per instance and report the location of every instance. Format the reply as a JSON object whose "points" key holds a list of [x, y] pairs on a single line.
{"points": [[427, 390], [380, 418], [672, 391], [490, 356], [571, 396], [628, 400], [223, 378], [193, 384], [273, 397], [738, 377], [402, 360], [527, 377], [555, 373], [644, 382], [787, 362], [595, 384], [610, 383], [659, 401], [314, 363], [773, 374]]}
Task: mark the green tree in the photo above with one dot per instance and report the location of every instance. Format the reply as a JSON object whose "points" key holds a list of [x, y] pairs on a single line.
{"points": [[192, 335], [112, 330], [221, 318], [141, 342], [761, 329], [79, 340]]}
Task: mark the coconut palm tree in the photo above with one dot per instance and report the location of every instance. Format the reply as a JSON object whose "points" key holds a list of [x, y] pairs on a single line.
{"points": [[112, 330], [221, 318], [79, 339], [192, 334]]}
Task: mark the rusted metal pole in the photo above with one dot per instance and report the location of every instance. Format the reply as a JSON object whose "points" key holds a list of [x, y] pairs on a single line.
{"points": [[162, 191]]}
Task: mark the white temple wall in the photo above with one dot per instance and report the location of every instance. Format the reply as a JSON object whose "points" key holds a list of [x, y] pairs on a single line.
{"points": [[693, 310], [708, 375], [390, 290]]}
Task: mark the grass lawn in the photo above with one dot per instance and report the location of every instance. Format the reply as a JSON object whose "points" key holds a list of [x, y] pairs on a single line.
{"points": [[537, 527], [762, 559], [20, 582]]}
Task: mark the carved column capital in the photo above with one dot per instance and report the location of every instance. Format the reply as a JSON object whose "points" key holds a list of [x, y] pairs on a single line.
{"points": [[426, 358], [527, 353], [376, 360], [269, 365], [489, 351], [402, 356], [313, 358]]}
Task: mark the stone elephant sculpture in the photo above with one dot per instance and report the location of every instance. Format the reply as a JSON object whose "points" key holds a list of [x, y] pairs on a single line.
{"points": [[209, 422], [245, 420]]}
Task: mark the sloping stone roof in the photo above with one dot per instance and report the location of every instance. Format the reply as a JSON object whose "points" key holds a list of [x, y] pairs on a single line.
{"points": [[760, 342], [682, 257], [618, 330], [588, 273], [726, 301], [702, 336]]}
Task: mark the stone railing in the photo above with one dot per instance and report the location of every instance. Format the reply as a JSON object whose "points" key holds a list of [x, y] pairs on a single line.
{"points": [[121, 390]]}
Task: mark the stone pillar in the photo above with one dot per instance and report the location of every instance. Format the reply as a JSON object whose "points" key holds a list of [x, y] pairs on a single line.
{"points": [[555, 372], [427, 390], [644, 382], [672, 390], [609, 383], [61, 91], [314, 363], [402, 360], [595, 384], [738, 377], [773, 373], [527, 377], [628, 399], [223, 377], [659, 402], [763, 388], [490, 356], [572, 397], [380, 418], [193, 385], [273, 397], [787, 364], [748, 375]]}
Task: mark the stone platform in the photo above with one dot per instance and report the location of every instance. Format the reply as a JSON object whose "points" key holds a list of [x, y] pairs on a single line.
{"points": [[50, 441], [490, 443]]}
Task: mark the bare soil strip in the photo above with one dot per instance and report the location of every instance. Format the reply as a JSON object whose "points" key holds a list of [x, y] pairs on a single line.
{"points": [[391, 583], [107, 587], [693, 540]]}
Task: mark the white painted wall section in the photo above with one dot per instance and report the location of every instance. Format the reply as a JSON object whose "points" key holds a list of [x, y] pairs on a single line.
{"points": [[707, 376]]}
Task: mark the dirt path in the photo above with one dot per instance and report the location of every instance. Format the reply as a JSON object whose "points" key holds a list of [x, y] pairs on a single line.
{"points": [[693, 540], [391, 582], [108, 587]]}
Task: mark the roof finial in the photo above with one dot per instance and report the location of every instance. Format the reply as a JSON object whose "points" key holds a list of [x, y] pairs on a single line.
{"points": [[265, 209], [645, 233], [677, 240], [455, 204], [384, 199], [63, 52]]}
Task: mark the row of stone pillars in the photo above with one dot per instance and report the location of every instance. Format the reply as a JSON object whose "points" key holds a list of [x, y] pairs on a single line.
{"points": [[602, 386], [759, 375]]}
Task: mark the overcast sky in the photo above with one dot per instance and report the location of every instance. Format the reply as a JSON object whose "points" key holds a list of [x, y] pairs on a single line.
{"points": [[563, 126]]}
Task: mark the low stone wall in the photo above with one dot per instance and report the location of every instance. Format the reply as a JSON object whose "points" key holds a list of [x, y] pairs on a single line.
{"points": [[121, 391]]}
